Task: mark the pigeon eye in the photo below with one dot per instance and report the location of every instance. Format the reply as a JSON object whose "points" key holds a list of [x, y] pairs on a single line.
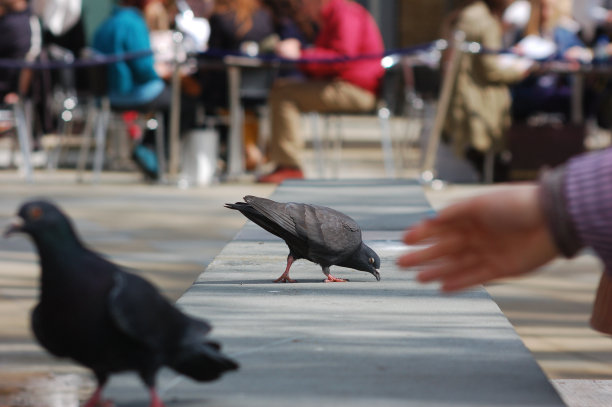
{"points": [[371, 260], [35, 213]]}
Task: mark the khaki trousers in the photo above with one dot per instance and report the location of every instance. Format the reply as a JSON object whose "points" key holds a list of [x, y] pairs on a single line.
{"points": [[289, 98]]}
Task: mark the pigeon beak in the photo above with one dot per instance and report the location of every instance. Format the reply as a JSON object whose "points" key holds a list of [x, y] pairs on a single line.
{"points": [[377, 275], [15, 227]]}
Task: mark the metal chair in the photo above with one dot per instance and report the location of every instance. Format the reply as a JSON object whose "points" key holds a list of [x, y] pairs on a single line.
{"points": [[15, 118], [99, 115], [391, 102]]}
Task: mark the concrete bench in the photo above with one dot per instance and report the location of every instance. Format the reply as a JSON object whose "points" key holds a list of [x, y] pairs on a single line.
{"points": [[361, 343]]}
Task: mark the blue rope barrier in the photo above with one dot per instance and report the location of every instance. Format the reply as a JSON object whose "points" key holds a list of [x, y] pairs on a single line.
{"points": [[97, 59], [217, 54]]}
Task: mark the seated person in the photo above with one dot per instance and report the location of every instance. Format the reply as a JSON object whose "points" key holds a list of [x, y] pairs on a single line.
{"points": [[479, 110], [14, 44], [555, 35], [289, 22], [594, 16], [346, 30], [234, 23], [135, 84]]}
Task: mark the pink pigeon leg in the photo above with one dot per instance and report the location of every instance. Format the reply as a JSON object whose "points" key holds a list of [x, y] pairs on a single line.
{"points": [[330, 278], [155, 400], [284, 278]]}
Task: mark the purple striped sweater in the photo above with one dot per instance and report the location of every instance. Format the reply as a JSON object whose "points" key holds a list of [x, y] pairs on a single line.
{"points": [[577, 201]]}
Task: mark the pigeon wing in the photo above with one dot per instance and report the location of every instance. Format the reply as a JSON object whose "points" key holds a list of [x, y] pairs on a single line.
{"points": [[144, 315], [332, 234], [281, 214]]}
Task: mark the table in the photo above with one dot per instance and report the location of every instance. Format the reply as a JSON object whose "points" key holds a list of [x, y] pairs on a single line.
{"points": [[235, 65]]}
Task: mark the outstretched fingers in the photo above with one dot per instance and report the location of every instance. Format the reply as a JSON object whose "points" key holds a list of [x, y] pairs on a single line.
{"points": [[447, 268], [468, 278], [447, 246]]}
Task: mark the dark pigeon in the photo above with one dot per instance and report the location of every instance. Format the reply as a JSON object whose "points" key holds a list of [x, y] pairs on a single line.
{"points": [[316, 233], [107, 319]]}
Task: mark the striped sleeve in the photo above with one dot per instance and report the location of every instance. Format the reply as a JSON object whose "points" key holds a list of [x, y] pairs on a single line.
{"points": [[588, 196]]}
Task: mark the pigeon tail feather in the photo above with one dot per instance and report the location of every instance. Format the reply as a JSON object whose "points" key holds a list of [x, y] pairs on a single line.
{"points": [[203, 362]]}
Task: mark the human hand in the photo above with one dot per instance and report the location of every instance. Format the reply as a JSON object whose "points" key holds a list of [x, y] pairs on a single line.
{"points": [[500, 234], [289, 48], [11, 98], [579, 54]]}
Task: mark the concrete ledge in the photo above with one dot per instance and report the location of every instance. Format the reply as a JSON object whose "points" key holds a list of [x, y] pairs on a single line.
{"points": [[362, 343]]}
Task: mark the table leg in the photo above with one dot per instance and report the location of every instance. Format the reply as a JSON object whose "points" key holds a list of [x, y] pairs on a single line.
{"points": [[235, 164], [577, 91]]}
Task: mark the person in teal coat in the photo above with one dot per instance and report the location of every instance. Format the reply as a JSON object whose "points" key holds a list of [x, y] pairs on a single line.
{"points": [[132, 83]]}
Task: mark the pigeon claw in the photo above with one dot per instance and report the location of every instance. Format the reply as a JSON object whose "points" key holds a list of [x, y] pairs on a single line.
{"points": [[332, 279]]}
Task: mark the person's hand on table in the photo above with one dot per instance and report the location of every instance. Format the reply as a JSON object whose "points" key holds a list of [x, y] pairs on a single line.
{"points": [[496, 235], [11, 98], [290, 48]]}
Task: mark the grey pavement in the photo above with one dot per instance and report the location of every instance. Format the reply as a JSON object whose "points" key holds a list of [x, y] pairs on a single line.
{"points": [[171, 235], [387, 343]]}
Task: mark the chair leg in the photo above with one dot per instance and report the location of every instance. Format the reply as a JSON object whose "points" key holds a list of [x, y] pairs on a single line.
{"points": [[337, 145], [386, 142], [92, 117], [317, 144], [24, 141], [489, 163], [64, 129], [100, 135], [160, 147]]}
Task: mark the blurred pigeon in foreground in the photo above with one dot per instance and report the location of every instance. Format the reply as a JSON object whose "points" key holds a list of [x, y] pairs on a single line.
{"points": [[105, 318], [316, 233]]}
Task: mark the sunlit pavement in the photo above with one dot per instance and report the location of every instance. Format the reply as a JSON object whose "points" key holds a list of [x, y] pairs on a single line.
{"points": [[171, 234]]}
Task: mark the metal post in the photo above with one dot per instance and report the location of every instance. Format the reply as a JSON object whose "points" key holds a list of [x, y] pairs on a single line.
{"points": [[448, 84], [577, 93], [24, 140], [235, 163], [175, 109]]}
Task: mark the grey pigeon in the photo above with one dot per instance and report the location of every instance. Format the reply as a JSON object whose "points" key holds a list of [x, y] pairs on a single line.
{"points": [[312, 232], [105, 318]]}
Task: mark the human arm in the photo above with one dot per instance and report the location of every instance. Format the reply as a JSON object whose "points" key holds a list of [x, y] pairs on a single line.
{"points": [[513, 231], [500, 234]]}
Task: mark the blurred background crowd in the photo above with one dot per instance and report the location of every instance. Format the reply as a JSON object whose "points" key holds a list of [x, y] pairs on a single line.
{"points": [[501, 104]]}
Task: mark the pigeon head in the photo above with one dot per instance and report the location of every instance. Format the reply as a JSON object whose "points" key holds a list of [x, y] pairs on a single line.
{"points": [[365, 259], [42, 220]]}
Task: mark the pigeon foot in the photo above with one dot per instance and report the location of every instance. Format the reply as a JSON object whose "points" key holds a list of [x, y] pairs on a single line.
{"points": [[332, 279], [285, 279]]}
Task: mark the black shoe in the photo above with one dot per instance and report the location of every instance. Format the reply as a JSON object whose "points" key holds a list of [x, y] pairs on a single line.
{"points": [[146, 160]]}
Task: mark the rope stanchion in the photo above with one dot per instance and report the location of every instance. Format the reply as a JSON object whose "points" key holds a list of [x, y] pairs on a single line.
{"points": [[448, 84]]}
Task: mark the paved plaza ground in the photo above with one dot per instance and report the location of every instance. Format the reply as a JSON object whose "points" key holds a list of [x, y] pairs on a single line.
{"points": [[172, 234]]}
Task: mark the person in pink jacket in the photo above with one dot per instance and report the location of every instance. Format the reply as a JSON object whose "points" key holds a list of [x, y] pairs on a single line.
{"points": [[346, 30], [516, 230]]}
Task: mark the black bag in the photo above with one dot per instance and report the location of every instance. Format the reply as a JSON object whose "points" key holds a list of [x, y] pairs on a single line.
{"points": [[541, 143]]}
